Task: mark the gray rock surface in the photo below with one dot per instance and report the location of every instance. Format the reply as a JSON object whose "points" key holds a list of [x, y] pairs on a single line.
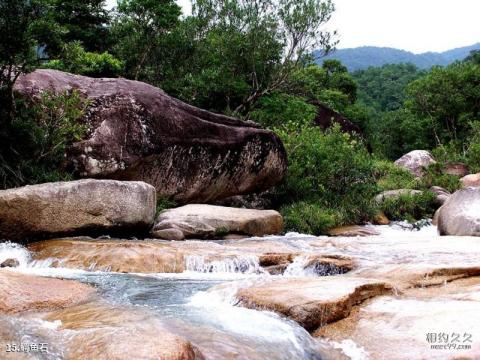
{"points": [[76, 207]]}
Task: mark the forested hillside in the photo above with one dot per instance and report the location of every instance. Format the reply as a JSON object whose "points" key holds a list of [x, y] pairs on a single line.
{"points": [[365, 56], [248, 62]]}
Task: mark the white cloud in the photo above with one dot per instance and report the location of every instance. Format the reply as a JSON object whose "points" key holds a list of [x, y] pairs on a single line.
{"points": [[414, 25]]}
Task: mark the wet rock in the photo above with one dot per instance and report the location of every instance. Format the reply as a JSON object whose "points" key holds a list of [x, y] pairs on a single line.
{"points": [[270, 259], [10, 263], [312, 302], [416, 161], [76, 207], [352, 231], [103, 332], [138, 132], [328, 265], [456, 169], [460, 215], [390, 194], [381, 219], [471, 180], [442, 195], [22, 292], [386, 324], [209, 221], [110, 255]]}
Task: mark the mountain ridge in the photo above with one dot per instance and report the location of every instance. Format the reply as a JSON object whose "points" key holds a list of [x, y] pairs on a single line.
{"points": [[362, 57]]}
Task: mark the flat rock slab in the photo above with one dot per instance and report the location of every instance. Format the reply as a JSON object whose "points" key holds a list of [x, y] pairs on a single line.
{"points": [[104, 332], [407, 327], [138, 132], [110, 255], [312, 302], [207, 221], [76, 207], [22, 292]]}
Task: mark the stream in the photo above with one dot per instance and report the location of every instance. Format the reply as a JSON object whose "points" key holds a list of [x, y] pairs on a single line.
{"points": [[199, 303]]}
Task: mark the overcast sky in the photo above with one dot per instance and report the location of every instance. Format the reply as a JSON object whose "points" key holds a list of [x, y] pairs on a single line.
{"points": [[413, 25]]}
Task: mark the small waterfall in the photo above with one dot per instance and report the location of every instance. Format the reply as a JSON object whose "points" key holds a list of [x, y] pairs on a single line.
{"points": [[247, 264], [16, 252], [303, 266]]}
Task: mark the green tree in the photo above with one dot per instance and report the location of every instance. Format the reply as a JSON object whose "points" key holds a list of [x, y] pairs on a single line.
{"points": [[75, 59], [138, 29], [17, 55], [86, 21], [383, 88], [448, 99]]}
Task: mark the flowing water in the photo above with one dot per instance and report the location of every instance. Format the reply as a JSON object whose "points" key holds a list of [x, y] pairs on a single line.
{"points": [[199, 304]]}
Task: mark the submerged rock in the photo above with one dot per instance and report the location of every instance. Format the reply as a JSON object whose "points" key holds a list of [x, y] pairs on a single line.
{"points": [[76, 207], [138, 132], [208, 221], [22, 293], [416, 161], [460, 215], [312, 302]]}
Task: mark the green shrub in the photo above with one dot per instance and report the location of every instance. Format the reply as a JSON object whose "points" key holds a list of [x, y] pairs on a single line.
{"points": [[279, 109], [76, 60], [164, 203], [410, 207], [332, 169], [434, 176], [33, 150], [309, 218], [392, 177], [473, 150]]}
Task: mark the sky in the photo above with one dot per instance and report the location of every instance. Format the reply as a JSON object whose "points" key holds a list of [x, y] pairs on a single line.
{"points": [[413, 25]]}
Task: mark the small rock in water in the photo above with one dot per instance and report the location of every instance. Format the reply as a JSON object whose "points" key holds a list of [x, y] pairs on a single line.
{"points": [[10, 263]]}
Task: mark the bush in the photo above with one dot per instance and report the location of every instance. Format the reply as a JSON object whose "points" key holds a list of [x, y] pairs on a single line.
{"points": [[280, 109], [77, 61], [410, 207], [434, 176], [34, 148], [331, 171], [392, 177], [164, 203], [309, 218]]}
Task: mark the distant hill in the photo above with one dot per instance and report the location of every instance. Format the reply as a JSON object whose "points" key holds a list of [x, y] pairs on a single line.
{"points": [[365, 56]]}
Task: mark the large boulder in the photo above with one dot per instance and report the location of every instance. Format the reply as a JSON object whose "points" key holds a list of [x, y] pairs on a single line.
{"points": [[206, 221], [137, 132], [76, 207], [471, 180], [460, 215], [416, 161]]}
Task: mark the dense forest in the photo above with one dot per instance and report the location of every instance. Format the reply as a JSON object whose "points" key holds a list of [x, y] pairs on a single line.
{"points": [[365, 56], [243, 59]]}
